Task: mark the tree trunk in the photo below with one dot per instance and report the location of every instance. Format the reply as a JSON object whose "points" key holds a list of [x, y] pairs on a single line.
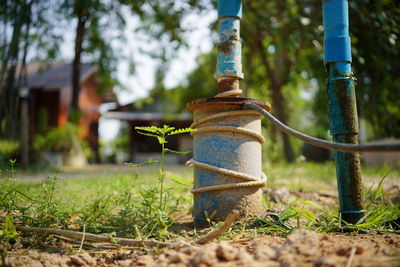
{"points": [[9, 93], [24, 133], [278, 106], [24, 102], [74, 112]]}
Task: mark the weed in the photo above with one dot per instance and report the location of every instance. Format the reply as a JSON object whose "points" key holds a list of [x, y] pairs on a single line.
{"points": [[12, 163], [380, 215], [161, 134], [157, 218], [299, 209]]}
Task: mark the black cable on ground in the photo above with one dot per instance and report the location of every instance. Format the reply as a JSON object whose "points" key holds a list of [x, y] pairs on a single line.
{"points": [[320, 142]]}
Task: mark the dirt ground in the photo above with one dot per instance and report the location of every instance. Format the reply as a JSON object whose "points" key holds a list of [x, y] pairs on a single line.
{"points": [[301, 248]]}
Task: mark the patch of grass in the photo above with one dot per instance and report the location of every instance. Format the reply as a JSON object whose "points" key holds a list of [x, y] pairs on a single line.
{"points": [[381, 215], [120, 205], [309, 176], [127, 204], [301, 176]]}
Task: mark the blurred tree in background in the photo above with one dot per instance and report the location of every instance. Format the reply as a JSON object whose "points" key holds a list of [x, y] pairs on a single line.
{"points": [[30, 26], [283, 63], [375, 29], [277, 44], [99, 22], [200, 83], [279, 36], [24, 25]]}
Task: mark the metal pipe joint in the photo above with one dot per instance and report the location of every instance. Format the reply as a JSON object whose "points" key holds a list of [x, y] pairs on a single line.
{"points": [[229, 67]]}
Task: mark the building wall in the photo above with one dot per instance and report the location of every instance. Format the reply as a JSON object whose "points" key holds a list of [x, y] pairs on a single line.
{"points": [[89, 103], [57, 101], [43, 109], [65, 99]]}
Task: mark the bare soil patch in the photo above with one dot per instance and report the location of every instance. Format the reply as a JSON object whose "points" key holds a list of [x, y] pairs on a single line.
{"points": [[301, 248]]}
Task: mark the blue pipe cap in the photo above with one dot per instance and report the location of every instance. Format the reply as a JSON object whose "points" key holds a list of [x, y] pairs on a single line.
{"points": [[230, 8], [337, 44], [337, 49], [336, 18]]}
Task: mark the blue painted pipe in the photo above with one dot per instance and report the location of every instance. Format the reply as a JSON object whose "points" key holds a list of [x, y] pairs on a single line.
{"points": [[337, 46], [230, 8], [229, 47], [342, 107]]}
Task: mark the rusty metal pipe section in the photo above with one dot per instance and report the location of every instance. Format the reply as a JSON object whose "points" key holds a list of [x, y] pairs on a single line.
{"points": [[229, 66], [226, 159], [227, 144]]}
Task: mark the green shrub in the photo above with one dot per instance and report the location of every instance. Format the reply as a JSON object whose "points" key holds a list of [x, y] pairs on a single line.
{"points": [[63, 139]]}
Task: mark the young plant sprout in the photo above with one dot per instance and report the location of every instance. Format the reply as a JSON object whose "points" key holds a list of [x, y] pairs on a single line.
{"points": [[161, 134]]}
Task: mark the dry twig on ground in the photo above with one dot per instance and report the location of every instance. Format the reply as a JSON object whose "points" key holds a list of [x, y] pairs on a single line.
{"points": [[98, 238], [129, 242], [217, 232]]}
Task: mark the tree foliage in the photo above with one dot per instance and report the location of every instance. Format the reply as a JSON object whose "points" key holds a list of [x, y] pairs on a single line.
{"points": [[375, 33], [24, 25], [98, 23], [375, 39], [283, 61], [279, 36], [101, 21], [277, 41]]}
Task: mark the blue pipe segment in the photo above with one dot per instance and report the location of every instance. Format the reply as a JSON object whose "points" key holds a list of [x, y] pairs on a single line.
{"points": [[342, 107], [230, 8], [337, 44], [229, 47]]}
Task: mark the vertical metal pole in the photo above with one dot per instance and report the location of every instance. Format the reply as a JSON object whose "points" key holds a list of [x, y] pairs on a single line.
{"points": [[342, 106], [24, 138], [229, 66]]}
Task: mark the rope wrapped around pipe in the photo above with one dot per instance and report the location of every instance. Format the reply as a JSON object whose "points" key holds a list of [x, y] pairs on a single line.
{"points": [[249, 180], [252, 180]]}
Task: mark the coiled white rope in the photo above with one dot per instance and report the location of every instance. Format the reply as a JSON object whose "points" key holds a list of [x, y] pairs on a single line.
{"points": [[230, 129], [250, 181], [222, 115]]}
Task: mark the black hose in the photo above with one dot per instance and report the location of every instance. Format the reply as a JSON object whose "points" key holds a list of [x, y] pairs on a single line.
{"points": [[320, 142]]}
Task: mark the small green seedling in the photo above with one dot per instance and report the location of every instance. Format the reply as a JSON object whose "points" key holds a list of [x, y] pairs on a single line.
{"points": [[297, 209], [161, 134], [12, 163]]}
